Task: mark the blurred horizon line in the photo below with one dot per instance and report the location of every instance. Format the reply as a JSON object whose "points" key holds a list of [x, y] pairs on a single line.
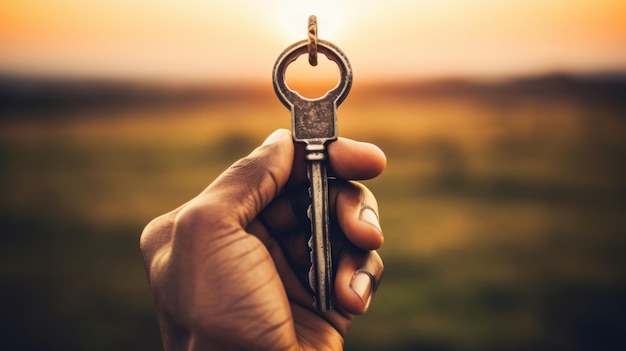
{"points": [[601, 73], [36, 93]]}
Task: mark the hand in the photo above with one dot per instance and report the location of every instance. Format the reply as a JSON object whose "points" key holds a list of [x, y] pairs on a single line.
{"points": [[228, 268]]}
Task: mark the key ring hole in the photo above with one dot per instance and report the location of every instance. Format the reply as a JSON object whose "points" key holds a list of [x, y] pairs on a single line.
{"points": [[288, 96], [312, 81]]}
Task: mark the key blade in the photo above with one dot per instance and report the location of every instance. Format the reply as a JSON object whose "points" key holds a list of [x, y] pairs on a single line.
{"points": [[320, 273]]}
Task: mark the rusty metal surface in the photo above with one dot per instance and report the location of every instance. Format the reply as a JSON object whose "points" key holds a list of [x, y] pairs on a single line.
{"points": [[313, 119], [312, 43]]}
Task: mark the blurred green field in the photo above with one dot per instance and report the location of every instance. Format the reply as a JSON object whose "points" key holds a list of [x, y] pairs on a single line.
{"points": [[504, 218]]}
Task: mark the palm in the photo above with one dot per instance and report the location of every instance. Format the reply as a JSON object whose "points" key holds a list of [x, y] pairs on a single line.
{"points": [[265, 304], [286, 244]]}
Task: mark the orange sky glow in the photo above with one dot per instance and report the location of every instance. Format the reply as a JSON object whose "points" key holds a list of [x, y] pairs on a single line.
{"points": [[238, 40]]}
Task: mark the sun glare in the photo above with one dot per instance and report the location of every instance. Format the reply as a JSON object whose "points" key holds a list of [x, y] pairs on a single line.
{"points": [[335, 19], [240, 39]]}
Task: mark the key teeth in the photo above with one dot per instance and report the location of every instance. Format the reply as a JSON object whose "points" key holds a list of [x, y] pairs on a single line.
{"points": [[311, 257], [312, 273], [312, 268]]}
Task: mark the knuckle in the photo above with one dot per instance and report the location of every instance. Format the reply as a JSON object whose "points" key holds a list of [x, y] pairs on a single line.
{"points": [[378, 261], [374, 265], [198, 219], [192, 217], [155, 233]]}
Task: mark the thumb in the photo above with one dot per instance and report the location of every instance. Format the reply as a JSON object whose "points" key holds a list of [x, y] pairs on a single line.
{"points": [[250, 184]]}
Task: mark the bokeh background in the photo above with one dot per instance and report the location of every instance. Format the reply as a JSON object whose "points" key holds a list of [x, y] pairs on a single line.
{"points": [[504, 123]]}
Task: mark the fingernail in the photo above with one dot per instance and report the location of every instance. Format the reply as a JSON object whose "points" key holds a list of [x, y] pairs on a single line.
{"points": [[274, 137], [369, 215], [362, 283]]}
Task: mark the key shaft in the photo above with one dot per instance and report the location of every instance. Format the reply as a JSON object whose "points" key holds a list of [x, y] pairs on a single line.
{"points": [[320, 273]]}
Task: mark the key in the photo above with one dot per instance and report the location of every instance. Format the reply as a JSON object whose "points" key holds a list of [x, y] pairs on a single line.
{"points": [[314, 123]]}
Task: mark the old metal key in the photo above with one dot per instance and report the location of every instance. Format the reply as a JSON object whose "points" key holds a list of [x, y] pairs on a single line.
{"points": [[314, 123]]}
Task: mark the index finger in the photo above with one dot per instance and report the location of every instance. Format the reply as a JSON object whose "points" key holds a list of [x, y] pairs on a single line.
{"points": [[349, 159], [355, 160]]}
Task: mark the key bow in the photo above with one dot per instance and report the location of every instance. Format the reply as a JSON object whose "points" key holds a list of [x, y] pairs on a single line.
{"points": [[313, 120]]}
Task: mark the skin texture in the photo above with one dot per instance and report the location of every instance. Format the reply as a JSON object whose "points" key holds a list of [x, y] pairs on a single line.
{"points": [[228, 268]]}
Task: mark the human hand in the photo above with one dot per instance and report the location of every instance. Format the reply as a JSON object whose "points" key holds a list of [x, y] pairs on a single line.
{"points": [[228, 269]]}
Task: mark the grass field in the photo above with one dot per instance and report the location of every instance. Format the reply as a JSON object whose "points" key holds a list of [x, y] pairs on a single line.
{"points": [[504, 217]]}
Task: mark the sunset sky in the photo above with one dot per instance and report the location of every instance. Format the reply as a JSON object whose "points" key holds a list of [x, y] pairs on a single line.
{"points": [[234, 40]]}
